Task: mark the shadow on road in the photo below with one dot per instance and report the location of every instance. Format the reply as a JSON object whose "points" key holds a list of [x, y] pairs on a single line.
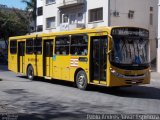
{"points": [[49, 108], [53, 81], [145, 92], [43, 109], [57, 116]]}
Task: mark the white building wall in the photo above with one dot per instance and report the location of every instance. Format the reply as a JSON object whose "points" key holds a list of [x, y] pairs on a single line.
{"points": [[141, 17], [97, 4], [49, 11], [39, 3], [39, 18]]}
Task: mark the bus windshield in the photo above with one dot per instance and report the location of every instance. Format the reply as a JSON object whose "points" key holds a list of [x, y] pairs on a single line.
{"points": [[130, 50]]}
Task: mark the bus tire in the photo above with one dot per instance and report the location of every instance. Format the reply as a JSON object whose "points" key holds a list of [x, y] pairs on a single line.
{"points": [[30, 72], [81, 80]]}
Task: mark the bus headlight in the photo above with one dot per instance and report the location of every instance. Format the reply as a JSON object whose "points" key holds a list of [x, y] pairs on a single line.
{"points": [[116, 73], [129, 76]]}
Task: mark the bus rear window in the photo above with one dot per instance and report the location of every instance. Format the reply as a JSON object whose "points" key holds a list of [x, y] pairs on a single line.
{"points": [[13, 46]]}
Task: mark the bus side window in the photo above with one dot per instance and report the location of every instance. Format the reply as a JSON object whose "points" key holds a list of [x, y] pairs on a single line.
{"points": [[79, 45], [29, 46], [62, 45], [38, 46], [13, 46]]}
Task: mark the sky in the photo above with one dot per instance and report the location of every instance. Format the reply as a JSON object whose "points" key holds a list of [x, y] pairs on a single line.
{"points": [[13, 3]]}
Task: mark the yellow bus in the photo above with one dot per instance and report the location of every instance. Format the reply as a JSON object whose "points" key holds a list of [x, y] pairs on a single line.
{"points": [[107, 56]]}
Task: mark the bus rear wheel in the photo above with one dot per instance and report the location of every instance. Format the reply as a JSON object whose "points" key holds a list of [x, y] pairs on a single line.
{"points": [[30, 73], [81, 80]]}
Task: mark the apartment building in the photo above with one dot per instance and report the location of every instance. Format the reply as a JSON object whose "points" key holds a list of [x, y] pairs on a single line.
{"points": [[63, 15]]}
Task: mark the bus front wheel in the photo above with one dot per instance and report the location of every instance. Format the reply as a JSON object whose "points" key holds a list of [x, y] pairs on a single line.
{"points": [[81, 80], [30, 73]]}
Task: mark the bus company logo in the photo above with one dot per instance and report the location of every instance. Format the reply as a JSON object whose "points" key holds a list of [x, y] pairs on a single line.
{"points": [[74, 62]]}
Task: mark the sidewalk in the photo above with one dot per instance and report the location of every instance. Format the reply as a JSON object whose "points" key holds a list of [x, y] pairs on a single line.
{"points": [[155, 76]]}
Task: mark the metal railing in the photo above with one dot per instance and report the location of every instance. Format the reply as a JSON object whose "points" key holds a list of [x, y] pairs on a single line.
{"points": [[63, 3], [66, 26]]}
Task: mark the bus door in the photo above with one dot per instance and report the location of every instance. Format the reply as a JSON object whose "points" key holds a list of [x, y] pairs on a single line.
{"points": [[98, 65], [48, 53], [21, 55]]}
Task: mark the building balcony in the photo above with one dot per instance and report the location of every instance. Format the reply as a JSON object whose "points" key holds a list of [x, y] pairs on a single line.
{"points": [[69, 3], [66, 26]]}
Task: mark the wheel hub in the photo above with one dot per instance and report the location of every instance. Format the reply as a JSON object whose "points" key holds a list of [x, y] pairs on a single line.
{"points": [[30, 73], [81, 80]]}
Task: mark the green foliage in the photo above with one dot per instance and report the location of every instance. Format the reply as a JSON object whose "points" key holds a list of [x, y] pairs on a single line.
{"points": [[11, 24], [31, 7]]}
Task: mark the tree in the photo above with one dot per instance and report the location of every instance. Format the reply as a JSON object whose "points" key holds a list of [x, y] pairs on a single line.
{"points": [[31, 9], [11, 24], [24, 16]]}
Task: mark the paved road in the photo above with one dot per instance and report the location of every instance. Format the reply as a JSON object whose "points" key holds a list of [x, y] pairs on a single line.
{"points": [[45, 100]]}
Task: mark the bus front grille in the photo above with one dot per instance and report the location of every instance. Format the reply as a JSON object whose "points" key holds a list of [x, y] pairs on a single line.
{"points": [[137, 81]]}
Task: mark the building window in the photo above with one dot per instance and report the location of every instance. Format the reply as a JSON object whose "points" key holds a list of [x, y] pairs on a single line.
{"points": [[50, 1], [151, 18], [39, 11], [29, 46], [50, 22], [38, 46], [131, 14], [32, 28], [65, 18], [13, 46], [151, 9], [62, 45], [95, 14], [79, 45], [39, 28], [116, 14]]}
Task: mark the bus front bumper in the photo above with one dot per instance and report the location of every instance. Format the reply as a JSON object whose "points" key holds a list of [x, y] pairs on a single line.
{"points": [[129, 78]]}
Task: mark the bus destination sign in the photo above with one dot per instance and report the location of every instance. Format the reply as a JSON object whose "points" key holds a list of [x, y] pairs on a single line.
{"points": [[135, 32]]}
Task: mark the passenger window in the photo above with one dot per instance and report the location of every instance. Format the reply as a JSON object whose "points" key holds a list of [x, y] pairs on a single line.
{"points": [[29, 46], [79, 45], [13, 46], [38, 46], [62, 45]]}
